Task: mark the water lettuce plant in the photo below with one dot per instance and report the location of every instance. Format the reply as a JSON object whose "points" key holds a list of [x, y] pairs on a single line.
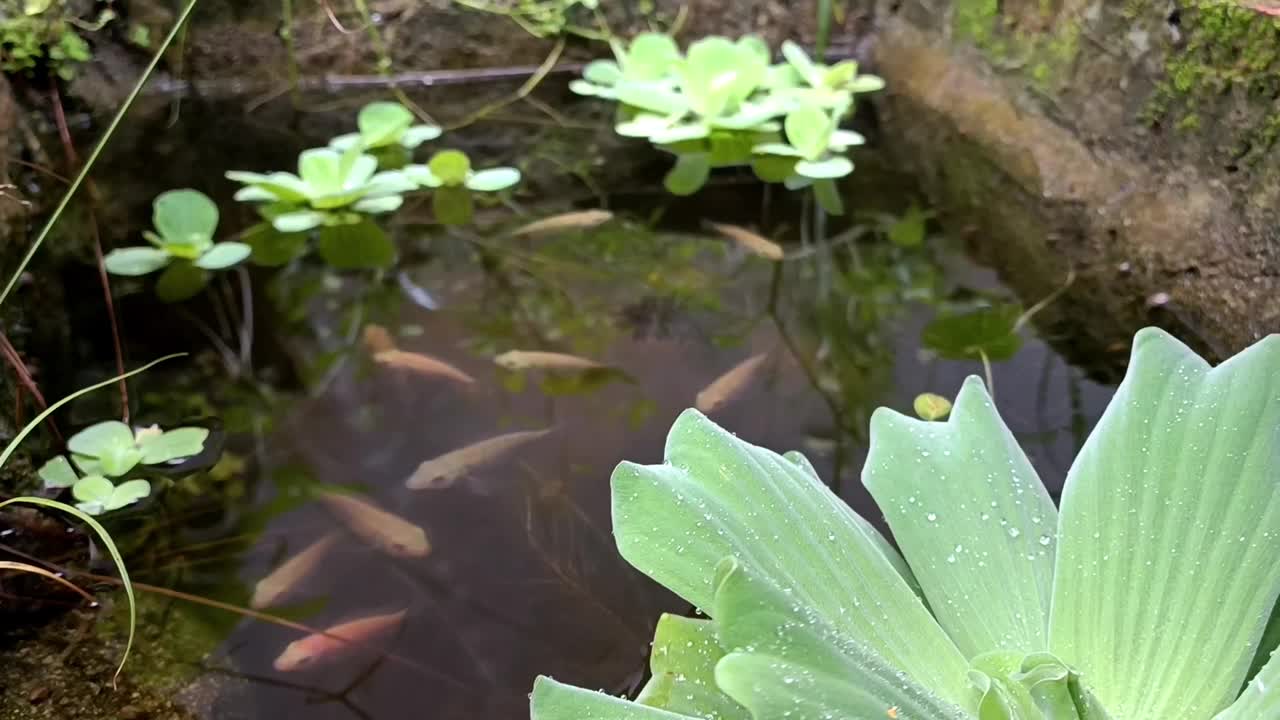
{"points": [[449, 173], [331, 188], [1144, 596], [185, 224], [384, 124], [722, 104]]}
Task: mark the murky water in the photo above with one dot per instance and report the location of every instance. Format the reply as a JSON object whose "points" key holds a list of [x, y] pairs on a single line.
{"points": [[522, 576]]}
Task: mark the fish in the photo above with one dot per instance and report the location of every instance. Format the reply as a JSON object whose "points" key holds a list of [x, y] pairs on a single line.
{"points": [[750, 241], [538, 360], [421, 364], [336, 641], [447, 469], [729, 385], [378, 339], [384, 530], [281, 581], [565, 221]]}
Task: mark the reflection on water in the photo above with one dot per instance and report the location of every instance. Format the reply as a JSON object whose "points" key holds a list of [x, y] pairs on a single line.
{"points": [[522, 576]]}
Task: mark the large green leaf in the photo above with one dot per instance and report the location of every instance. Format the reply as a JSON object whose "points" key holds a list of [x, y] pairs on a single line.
{"points": [[786, 661], [382, 123], [135, 260], [972, 518], [173, 444], [360, 246], [1261, 697], [689, 174], [683, 663], [1170, 530], [552, 700], [717, 496]]}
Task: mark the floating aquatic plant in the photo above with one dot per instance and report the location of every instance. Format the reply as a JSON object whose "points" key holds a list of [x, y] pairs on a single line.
{"points": [[384, 124], [331, 188], [1145, 596], [720, 105], [450, 174], [185, 223]]}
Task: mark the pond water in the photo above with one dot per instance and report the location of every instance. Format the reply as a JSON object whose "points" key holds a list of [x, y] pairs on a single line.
{"points": [[522, 576]]}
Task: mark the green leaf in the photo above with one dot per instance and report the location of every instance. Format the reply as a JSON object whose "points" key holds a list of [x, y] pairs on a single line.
{"points": [[772, 169], [223, 255], [865, 84], [799, 60], [717, 496], [683, 662], [418, 134], [343, 143], [690, 173], [680, 133], [969, 336], [173, 444], [453, 205], [181, 280], [808, 129], [322, 170], [283, 186], [493, 179], [653, 98], [379, 205], [551, 700], [297, 221], [57, 473], [786, 661], [602, 72], [127, 493], [972, 519], [362, 246], [1261, 697], [185, 217], [828, 169], [909, 230], [450, 166], [135, 261], [828, 196], [93, 489], [100, 438], [87, 464], [422, 176], [650, 57], [118, 460], [382, 123], [272, 248], [1170, 526]]}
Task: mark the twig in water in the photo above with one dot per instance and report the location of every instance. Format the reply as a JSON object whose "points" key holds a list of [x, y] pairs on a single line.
{"points": [[529, 85]]}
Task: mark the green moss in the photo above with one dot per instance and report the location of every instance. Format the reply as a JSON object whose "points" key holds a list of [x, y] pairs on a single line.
{"points": [[1229, 49], [1042, 56], [1189, 122]]}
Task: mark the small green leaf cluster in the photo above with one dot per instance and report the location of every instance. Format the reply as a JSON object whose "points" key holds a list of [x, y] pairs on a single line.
{"points": [[723, 103], [338, 189], [33, 35], [185, 223], [112, 449]]}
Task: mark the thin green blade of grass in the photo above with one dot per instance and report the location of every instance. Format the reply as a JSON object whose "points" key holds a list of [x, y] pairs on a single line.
{"points": [[97, 150]]}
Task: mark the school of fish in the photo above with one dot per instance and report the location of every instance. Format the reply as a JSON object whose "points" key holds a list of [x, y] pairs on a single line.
{"points": [[378, 528]]}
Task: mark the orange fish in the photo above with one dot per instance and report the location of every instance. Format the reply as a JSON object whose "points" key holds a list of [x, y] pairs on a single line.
{"points": [[421, 364], [386, 531], [729, 385], [336, 641], [750, 241], [447, 469], [275, 586], [378, 339], [538, 360], [581, 219]]}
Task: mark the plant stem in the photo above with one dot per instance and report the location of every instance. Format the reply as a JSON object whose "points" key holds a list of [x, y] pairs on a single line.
{"points": [[97, 150], [824, 27]]}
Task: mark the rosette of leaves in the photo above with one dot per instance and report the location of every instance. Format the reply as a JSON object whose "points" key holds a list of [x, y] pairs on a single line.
{"points": [[812, 153], [450, 175], [185, 222], [331, 188], [1146, 595], [831, 87], [386, 124], [112, 449], [649, 59], [714, 89]]}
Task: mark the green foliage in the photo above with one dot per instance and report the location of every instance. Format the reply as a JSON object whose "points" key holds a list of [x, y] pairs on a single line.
{"points": [[383, 124], [541, 18], [330, 188], [722, 104], [111, 449], [38, 34], [987, 331], [1145, 596]]}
